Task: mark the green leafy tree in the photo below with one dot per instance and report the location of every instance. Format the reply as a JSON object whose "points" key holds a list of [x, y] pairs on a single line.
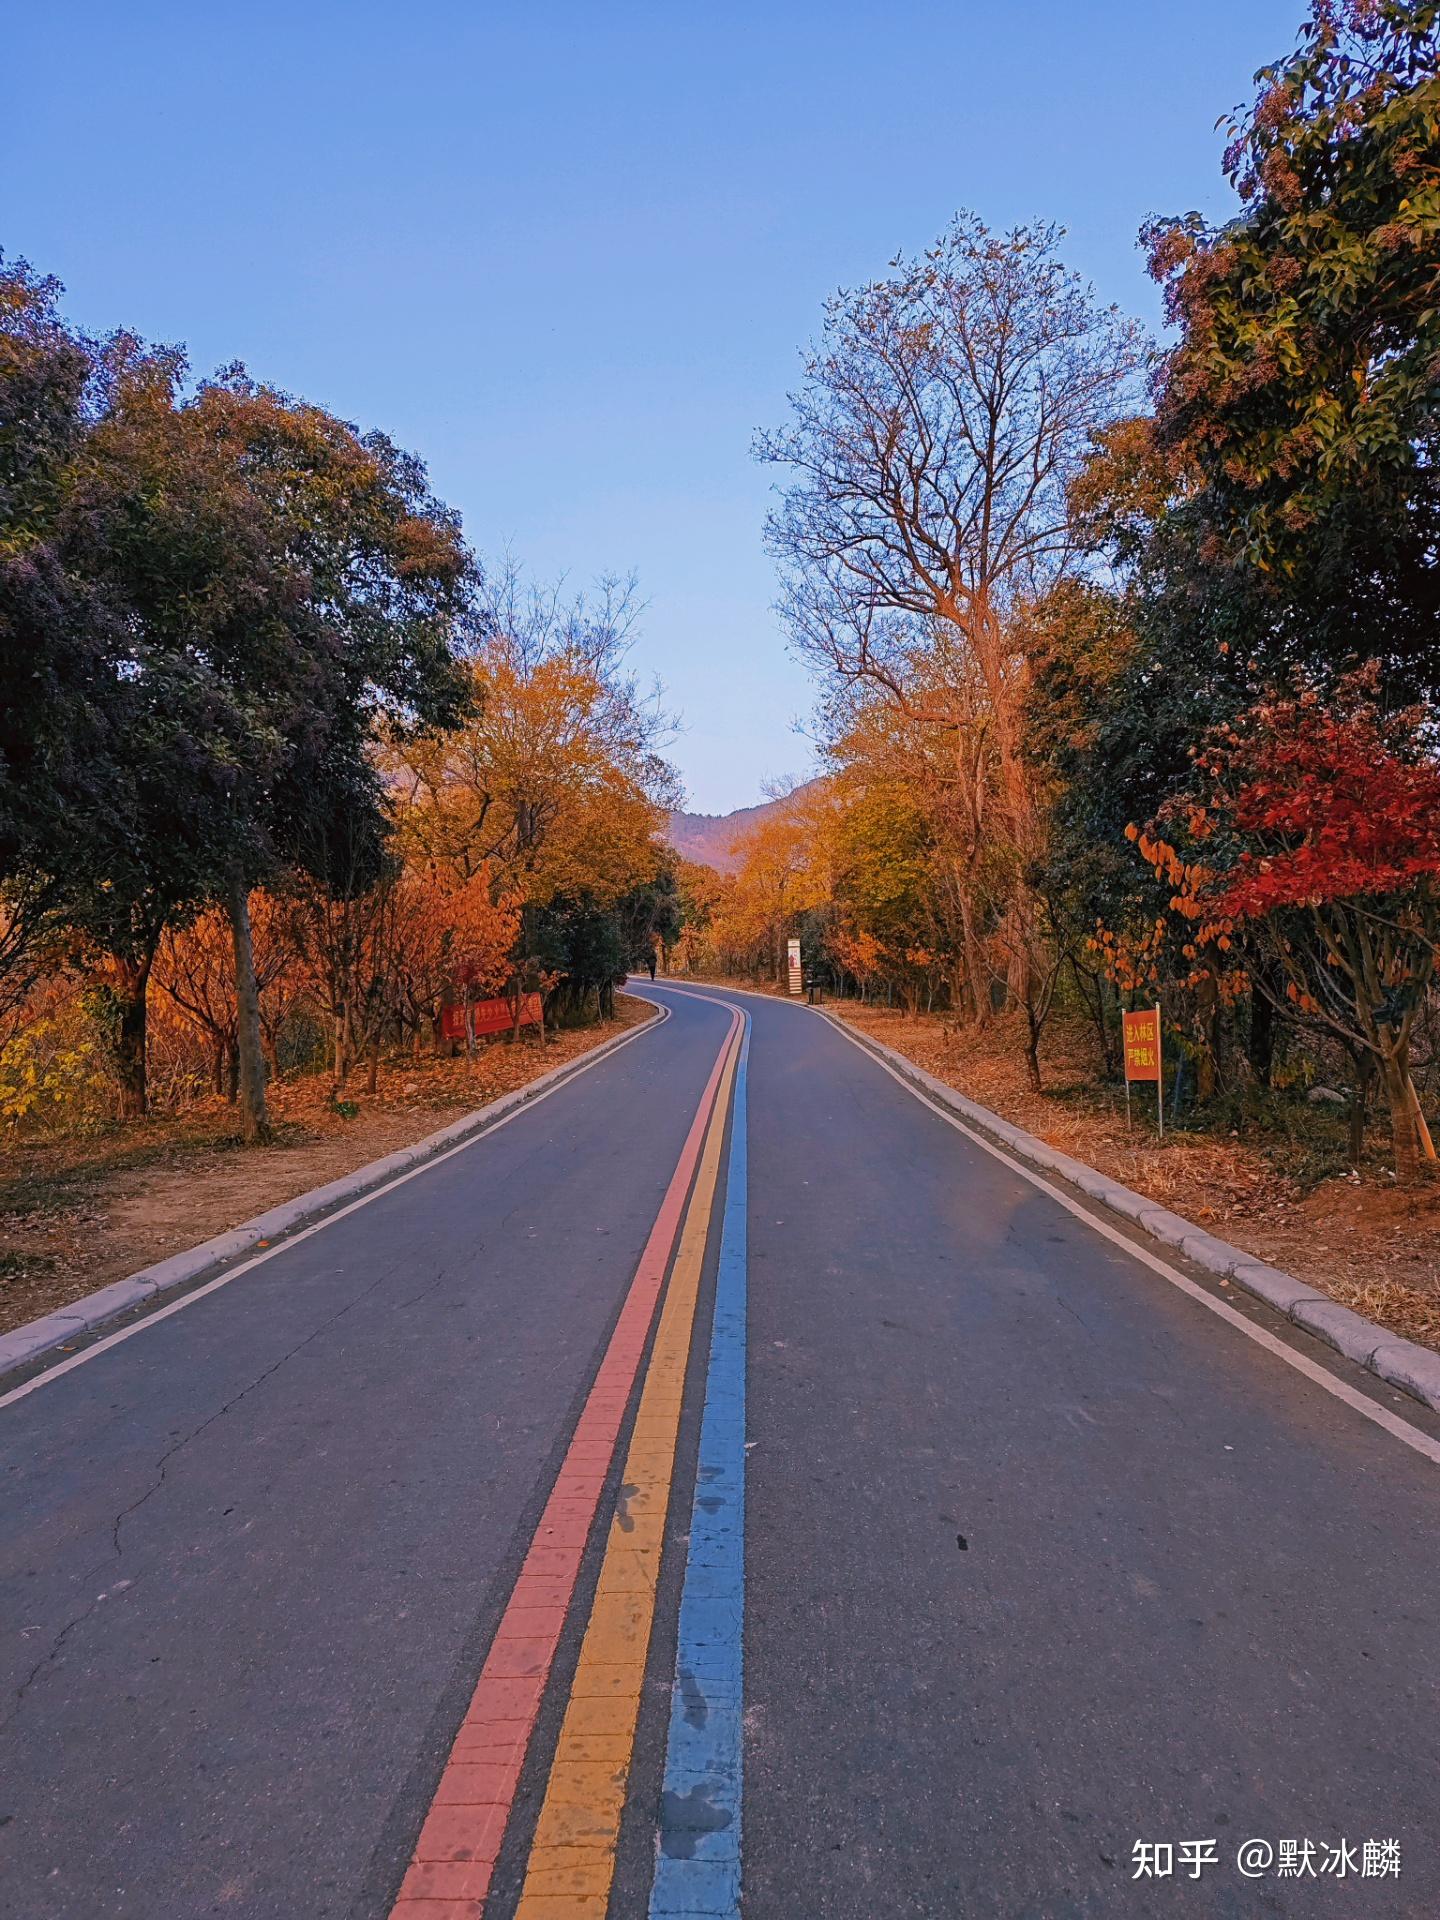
{"points": [[285, 582], [61, 638], [1304, 391], [652, 914], [1128, 669], [248, 586]]}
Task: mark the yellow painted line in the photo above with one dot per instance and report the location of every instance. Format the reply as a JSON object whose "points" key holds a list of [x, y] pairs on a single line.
{"points": [[572, 1857]]}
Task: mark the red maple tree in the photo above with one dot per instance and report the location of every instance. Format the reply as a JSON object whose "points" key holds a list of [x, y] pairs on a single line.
{"points": [[1320, 824]]}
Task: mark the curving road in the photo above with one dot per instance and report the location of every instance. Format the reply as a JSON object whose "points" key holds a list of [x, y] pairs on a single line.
{"points": [[723, 1480]]}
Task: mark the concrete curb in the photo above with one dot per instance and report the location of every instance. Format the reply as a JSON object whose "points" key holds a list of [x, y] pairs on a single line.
{"points": [[27, 1343], [1402, 1363]]}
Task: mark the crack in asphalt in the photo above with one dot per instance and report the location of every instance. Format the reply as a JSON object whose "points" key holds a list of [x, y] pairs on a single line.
{"points": [[53, 1650], [441, 1277], [1077, 1317]]}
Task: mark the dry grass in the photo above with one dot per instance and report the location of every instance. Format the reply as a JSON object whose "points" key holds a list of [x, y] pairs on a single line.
{"points": [[1284, 1193], [77, 1212]]}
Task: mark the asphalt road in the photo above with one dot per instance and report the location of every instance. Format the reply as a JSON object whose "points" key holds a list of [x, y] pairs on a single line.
{"points": [[1041, 1559]]}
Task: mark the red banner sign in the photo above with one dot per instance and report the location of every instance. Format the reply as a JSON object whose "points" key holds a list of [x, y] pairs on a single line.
{"points": [[488, 1016]]}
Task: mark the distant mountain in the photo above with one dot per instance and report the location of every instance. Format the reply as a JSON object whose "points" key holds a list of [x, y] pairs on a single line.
{"points": [[706, 837]]}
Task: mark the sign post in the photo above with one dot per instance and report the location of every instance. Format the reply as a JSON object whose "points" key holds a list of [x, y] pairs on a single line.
{"points": [[1142, 1057], [796, 981]]}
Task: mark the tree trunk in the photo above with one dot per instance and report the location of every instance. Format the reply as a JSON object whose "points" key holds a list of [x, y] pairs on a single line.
{"points": [[1260, 1045], [1207, 1063], [1092, 998], [1407, 1126], [372, 1076], [977, 972], [1422, 1131], [254, 1115], [958, 988], [1359, 1101], [132, 984], [1037, 1012], [1020, 973], [1032, 1060]]}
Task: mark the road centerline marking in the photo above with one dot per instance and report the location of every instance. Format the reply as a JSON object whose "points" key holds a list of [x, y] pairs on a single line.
{"points": [[454, 1856], [571, 1864], [697, 1869]]}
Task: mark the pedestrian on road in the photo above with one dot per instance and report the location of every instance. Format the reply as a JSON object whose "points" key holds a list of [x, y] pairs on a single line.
{"points": [[650, 962]]}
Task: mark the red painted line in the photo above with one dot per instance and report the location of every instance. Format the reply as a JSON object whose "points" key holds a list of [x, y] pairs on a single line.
{"points": [[449, 1873]]}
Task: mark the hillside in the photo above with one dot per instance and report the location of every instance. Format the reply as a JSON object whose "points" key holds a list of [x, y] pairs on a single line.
{"points": [[708, 837]]}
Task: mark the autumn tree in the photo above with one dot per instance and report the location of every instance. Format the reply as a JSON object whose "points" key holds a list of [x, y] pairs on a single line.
{"points": [[383, 950], [554, 781], [780, 874], [703, 892], [1280, 515], [930, 785], [453, 939], [195, 970], [939, 422], [214, 602], [343, 919], [1131, 662], [1315, 825]]}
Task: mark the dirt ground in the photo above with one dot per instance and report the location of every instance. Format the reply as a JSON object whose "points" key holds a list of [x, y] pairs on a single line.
{"points": [[79, 1212], [1285, 1193]]}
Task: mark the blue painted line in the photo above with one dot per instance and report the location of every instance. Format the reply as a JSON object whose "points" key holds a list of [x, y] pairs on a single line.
{"points": [[698, 1867]]}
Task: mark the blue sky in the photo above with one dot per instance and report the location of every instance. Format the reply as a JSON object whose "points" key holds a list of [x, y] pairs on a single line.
{"points": [[569, 253]]}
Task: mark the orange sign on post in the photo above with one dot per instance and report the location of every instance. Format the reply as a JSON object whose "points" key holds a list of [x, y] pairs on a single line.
{"points": [[1142, 1056]]}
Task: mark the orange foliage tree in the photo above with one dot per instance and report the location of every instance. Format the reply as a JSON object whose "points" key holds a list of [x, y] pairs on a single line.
{"points": [[782, 873], [194, 971], [451, 936], [552, 781]]}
